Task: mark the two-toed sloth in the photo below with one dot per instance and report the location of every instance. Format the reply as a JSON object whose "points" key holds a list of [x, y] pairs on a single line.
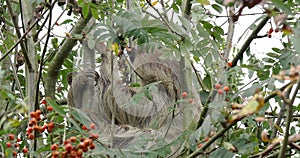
{"points": [[160, 116]]}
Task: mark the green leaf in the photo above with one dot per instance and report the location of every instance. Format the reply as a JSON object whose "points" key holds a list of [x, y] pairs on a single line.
{"points": [[296, 40], [218, 8], [85, 10], [66, 21], [54, 42], [148, 94], [180, 30], [135, 85], [274, 55], [203, 2], [278, 128], [229, 146], [207, 82], [56, 107], [280, 4], [175, 8], [221, 153], [91, 44], [185, 22], [137, 98], [94, 13]]}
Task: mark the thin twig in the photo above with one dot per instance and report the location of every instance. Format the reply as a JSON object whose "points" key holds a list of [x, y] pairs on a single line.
{"points": [[280, 115], [198, 76], [56, 21], [15, 22], [229, 34], [42, 58], [227, 16], [163, 19], [288, 122]]}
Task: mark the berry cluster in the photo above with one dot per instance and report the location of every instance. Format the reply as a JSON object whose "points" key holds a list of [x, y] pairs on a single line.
{"points": [[33, 124], [74, 147], [219, 89], [15, 145], [184, 95], [271, 30]]}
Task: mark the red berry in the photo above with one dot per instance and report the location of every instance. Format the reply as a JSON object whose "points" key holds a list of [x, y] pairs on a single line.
{"points": [[15, 153], [11, 136], [17, 145], [51, 125], [49, 108], [79, 153], [73, 139], [269, 35], [66, 142], [54, 147], [38, 117], [31, 136], [44, 101], [277, 30], [226, 88], [229, 64], [73, 153], [30, 124], [38, 112], [34, 121], [270, 31], [55, 154], [82, 139], [29, 129], [92, 146], [206, 139], [8, 144], [81, 145], [87, 142], [84, 127], [199, 145], [92, 126], [36, 128], [85, 149], [68, 147], [19, 139], [217, 86], [33, 114], [220, 91], [184, 94], [94, 136], [25, 150]]}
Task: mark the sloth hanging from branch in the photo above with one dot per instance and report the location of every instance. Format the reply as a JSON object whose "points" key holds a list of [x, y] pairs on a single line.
{"points": [[124, 113]]}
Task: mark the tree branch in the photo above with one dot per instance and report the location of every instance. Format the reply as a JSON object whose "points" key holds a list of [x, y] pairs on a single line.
{"points": [[249, 40], [212, 140], [61, 56]]}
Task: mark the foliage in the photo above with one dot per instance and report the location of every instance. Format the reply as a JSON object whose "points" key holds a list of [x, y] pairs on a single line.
{"points": [[257, 109]]}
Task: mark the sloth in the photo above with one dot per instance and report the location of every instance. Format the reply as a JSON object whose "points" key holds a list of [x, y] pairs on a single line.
{"points": [[100, 95]]}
